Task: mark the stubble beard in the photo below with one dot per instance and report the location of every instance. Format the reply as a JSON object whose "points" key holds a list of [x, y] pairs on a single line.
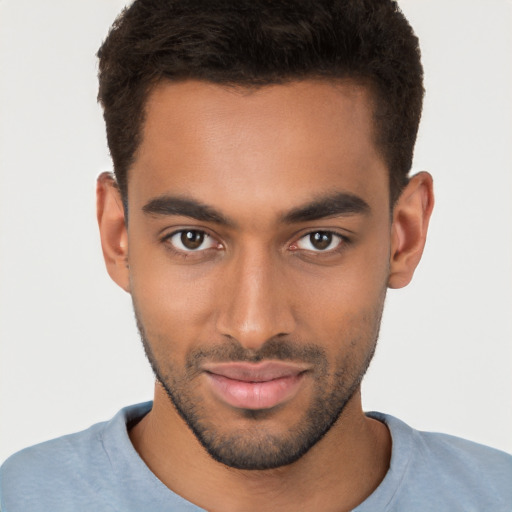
{"points": [[255, 448]]}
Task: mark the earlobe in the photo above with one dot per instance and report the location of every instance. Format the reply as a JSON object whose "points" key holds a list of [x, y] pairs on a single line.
{"points": [[113, 231], [411, 217]]}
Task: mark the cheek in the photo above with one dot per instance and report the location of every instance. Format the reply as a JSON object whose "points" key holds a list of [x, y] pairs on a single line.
{"points": [[356, 282], [172, 301], [344, 303]]}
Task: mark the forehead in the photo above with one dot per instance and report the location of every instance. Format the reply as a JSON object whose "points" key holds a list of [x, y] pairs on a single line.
{"points": [[289, 142]]}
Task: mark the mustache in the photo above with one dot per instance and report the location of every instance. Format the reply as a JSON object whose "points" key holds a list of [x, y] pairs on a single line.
{"points": [[273, 349], [232, 351]]}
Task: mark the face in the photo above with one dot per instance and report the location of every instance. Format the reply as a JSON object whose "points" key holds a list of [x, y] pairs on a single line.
{"points": [[258, 253]]}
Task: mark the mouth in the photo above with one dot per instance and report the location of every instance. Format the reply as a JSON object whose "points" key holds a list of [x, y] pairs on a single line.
{"points": [[255, 386]]}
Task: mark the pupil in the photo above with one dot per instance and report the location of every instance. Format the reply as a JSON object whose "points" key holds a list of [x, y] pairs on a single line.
{"points": [[321, 240], [192, 239]]}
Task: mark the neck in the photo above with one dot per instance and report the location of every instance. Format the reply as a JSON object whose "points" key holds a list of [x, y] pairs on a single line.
{"points": [[336, 474]]}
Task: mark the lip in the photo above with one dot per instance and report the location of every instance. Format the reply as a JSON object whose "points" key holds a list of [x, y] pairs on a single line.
{"points": [[254, 386]]}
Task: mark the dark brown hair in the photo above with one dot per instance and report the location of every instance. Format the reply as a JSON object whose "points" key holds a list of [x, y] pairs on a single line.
{"points": [[261, 42]]}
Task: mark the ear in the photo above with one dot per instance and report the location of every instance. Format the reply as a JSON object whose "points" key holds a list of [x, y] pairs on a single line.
{"points": [[411, 216], [113, 232]]}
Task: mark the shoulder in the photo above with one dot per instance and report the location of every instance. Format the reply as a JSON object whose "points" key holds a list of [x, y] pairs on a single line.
{"points": [[460, 453], [470, 471], [50, 471], [447, 472], [53, 474], [470, 464]]}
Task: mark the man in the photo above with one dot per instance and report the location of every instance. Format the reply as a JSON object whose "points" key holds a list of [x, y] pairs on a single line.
{"points": [[261, 207]]}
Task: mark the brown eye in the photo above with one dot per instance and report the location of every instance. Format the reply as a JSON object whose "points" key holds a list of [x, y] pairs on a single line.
{"points": [[320, 241], [188, 240], [192, 239]]}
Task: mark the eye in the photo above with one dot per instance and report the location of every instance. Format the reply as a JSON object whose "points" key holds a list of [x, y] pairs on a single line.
{"points": [[319, 241], [190, 240]]}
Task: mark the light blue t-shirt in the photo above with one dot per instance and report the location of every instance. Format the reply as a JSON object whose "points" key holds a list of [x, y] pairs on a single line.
{"points": [[99, 470]]}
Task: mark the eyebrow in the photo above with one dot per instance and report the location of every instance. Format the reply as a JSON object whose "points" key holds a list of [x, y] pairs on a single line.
{"points": [[331, 206], [172, 205], [339, 204]]}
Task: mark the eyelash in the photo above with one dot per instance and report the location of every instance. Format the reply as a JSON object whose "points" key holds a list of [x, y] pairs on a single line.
{"points": [[342, 242], [167, 240]]}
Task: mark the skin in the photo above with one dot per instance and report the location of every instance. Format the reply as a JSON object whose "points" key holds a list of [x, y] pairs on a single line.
{"points": [[255, 157]]}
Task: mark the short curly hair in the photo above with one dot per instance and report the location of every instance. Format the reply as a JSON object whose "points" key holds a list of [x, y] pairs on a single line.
{"points": [[255, 43]]}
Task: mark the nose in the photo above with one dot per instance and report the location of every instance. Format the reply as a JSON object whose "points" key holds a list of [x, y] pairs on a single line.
{"points": [[255, 301]]}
